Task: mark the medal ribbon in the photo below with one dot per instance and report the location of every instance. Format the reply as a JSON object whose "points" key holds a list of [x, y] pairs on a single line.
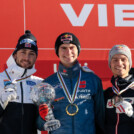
{"points": [[65, 89], [15, 80], [115, 90]]}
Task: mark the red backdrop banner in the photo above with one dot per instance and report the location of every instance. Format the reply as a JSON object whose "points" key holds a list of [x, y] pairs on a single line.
{"points": [[98, 24]]}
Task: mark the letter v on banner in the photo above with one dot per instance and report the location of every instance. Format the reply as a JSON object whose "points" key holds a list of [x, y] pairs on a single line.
{"points": [[73, 18]]}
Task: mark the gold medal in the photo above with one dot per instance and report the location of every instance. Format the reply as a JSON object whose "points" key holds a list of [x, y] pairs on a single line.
{"points": [[71, 99], [76, 109]]}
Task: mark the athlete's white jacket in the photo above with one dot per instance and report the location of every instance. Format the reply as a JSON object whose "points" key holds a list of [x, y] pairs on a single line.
{"points": [[19, 117]]}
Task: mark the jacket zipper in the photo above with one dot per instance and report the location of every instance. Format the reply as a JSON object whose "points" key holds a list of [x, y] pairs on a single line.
{"points": [[117, 124], [22, 108], [73, 132]]}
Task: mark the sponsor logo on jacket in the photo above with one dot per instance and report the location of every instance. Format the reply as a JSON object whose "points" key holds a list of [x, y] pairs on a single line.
{"points": [[30, 83], [6, 82], [82, 84]]}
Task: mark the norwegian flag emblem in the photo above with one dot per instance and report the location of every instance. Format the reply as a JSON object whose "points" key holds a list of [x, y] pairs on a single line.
{"points": [[27, 45]]}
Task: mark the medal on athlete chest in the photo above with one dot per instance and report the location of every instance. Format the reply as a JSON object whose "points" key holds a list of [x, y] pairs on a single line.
{"points": [[71, 109], [118, 98]]}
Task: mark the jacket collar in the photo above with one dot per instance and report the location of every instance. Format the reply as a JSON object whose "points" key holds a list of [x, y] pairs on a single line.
{"points": [[69, 72], [15, 71], [122, 83]]}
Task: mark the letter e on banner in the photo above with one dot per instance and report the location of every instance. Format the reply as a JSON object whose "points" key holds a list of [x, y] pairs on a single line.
{"points": [[124, 15]]}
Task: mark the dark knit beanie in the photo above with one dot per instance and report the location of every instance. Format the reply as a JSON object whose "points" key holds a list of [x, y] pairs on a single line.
{"points": [[27, 41], [67, 38]]}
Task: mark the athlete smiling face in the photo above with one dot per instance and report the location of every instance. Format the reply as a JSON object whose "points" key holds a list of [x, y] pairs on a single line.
{"points": [[120, 65], [68, 54], [25, 58]]}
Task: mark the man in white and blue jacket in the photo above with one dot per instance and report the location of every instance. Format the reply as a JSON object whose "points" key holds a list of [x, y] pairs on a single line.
{"points": [[79, 102], [17, 111]]}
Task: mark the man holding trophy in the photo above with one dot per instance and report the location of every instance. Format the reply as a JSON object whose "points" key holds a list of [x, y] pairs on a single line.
{"points": [[120, 97], [78, 104], [17, 112], [42, 95]]}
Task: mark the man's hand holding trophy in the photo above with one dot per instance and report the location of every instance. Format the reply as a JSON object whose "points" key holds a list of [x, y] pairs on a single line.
{"points": [[42, 95]]}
